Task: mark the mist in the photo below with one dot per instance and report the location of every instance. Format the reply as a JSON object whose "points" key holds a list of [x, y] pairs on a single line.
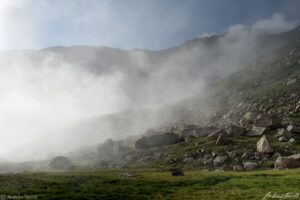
{"points": [[45, 92]]}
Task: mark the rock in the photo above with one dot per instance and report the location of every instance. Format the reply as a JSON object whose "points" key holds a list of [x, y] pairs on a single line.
{"points": [[270, 121], [106, 149], [283, 139], [291, 81], [222, 140], [216, 134], [237, 168], [292, 141], [246, 155], [297, 109], [61, 163], [214, 154], [220, 160], [250, 116], [283, 133], [289, 162], [250, 165], [219, 170], [156, 140], [177, 173], [293, 129], [257, 131], [276, 155], [127, 174], [233, 131], [263, 145], [208, 161], [232, 154]]}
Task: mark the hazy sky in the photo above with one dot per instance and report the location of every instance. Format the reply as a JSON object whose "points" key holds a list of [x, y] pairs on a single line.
{"points": [[127, 24]]}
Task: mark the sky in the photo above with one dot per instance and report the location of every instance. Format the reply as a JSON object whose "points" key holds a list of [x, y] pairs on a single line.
{"points": [[130, 24]]}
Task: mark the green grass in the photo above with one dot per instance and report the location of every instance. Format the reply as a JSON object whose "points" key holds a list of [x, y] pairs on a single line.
{"points": [[151, 185]]}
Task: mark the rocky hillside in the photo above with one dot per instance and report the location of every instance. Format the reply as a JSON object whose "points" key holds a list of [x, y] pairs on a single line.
{"points": [[254, 121]]}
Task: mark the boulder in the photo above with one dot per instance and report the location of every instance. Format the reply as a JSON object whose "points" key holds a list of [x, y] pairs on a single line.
{"points": [[283, 133], [250, 116], [127, 174], [292, 141], [257, 131], [237, 168], [177, 173], [106, 148], [283, 139], [250, 165], [208, 161], [216, 134], [233, 131], [289, 162], [293, 129], [156, 140], [222, 140], [270, 121], [61, 163], [232, 154], [263, 145], [220, 160]]}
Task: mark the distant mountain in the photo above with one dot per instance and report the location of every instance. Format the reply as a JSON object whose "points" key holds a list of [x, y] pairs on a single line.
{"points": [[175, 80]]}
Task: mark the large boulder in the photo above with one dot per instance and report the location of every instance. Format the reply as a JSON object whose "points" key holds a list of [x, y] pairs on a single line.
{"points": [[156, 140], [220, 160], [106, 148], [61, 163], [288, 162], [216, 134], [257, 131], [270, 121], [177, 173], [250, 165], [263, 145], [233, 131]]}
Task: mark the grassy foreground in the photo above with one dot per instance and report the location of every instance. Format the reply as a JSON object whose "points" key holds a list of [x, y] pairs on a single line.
{"points": [[150, 185]]}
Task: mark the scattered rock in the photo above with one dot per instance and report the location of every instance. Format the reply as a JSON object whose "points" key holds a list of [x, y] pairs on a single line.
{"points": [[283, 133], [257, 131], [208, 161], [232, 154], [177, 173], [220, 160], [156, 140], [289, 162], [127, 174], [293, 129], [237, 168], [283, 139], [250, 165], [292, 141], [219, 170], [263, 145]]}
